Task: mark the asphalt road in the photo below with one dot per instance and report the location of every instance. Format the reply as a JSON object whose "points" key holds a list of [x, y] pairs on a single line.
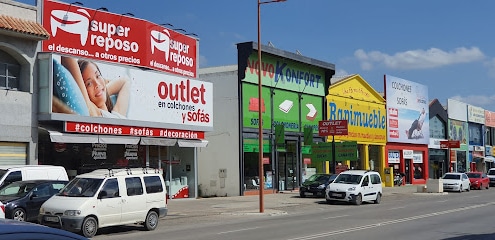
{"points": [[467, 215]]}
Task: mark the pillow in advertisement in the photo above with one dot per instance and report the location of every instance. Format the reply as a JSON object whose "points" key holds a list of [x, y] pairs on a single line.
{"points": [[66, 90]]}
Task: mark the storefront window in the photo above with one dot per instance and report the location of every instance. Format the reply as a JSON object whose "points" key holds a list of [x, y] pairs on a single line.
{"points": [[374, 158], [461, 161], [438, 163]]}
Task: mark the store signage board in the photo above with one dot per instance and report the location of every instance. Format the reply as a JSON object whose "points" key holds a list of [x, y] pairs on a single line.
{"points": [[450, 144], [101, 35], [332, 127], [120, 130]]}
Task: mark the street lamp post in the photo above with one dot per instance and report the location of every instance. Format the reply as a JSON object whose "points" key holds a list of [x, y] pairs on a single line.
{"points": [[260, 113]]}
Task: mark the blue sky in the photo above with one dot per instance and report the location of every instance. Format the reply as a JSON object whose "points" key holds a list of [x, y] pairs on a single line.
{"points": [[448, 46]]}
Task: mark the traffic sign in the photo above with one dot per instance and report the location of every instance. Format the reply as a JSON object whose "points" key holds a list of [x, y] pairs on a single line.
{"points": [[332, 127]]}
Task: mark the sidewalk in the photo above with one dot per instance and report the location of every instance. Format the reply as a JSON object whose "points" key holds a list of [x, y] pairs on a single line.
{"points": [[243, 205]]}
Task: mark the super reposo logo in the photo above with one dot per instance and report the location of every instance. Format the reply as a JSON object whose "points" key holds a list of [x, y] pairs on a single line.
{"points": [[71, 22], [160, 41]]}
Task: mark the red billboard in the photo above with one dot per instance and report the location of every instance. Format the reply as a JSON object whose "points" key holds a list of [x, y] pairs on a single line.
{"points": [[101, 35]]}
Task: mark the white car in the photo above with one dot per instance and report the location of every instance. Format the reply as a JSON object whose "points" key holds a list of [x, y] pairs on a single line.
{"points": [[355, 186], [2, 210], [457, 182]]}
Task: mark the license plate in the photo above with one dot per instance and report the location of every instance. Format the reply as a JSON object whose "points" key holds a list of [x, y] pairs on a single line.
{"points": [[51, 219], [335, 195]]}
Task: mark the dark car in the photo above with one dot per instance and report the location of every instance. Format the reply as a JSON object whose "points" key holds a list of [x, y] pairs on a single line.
{"points": [[11, 229], [316, 184], [23, 199]]}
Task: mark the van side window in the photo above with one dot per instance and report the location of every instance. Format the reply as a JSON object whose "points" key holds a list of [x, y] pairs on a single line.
{"points": [[111, 187], [153, 184], [375, 179], [13, 177], [134, 186]]}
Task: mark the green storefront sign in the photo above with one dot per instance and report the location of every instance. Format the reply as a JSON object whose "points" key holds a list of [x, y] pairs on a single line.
{"points": [[252, 145], [250, 106], [311, 112], [288, 110], [286, 74], [344, 151]]}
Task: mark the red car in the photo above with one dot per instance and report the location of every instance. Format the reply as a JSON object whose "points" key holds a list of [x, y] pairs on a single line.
{"points": [[478, 180]]}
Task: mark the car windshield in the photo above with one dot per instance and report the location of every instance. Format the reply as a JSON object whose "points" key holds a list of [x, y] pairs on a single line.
{"points": [[451, 176], [81, 187], [474, 175], [318, 178], [348, 179], [491, 172], [17, 189]]}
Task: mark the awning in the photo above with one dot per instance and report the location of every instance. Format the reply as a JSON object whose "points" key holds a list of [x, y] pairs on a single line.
{"points": [[59, 137], [192, 143], [118, 139], [489, 159], [158, 141]]}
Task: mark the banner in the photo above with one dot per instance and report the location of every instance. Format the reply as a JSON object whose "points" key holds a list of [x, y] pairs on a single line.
{"points": [[101, 35], [97, 89], [407, 111]]}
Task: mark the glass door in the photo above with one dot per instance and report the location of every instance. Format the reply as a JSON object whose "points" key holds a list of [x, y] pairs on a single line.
{"points": [[287, 167]]}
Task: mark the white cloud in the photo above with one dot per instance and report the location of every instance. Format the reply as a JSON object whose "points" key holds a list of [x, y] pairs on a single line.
{"points": [[486, 102], [341, 72], [418, 59], [491, 67]]}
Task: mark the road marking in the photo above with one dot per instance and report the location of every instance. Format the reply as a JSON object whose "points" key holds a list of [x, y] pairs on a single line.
{"points": [[354, 229], [336, 216], [396, 208], [443, 201], [476, 196], [238, 230]]}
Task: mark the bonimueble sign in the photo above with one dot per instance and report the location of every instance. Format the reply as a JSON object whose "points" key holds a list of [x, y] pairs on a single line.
{"points": [[129, 93], [100, 35]]}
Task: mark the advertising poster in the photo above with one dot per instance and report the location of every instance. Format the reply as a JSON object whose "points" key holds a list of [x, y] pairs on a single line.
{"points": [[286, 110], [250, 106], [407, 111], [311, 112], [458, 132], [99, 89], [100, 35], [286, 74], [366, 121], [476, 114]]}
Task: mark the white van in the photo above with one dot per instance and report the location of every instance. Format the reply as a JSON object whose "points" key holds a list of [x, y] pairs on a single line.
{"points": [[107, 197], [10, 174], [356, 186], [491, 176]]}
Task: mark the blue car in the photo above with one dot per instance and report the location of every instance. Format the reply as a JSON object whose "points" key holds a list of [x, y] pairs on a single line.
{"points": [[23, 199], [12, 229]]}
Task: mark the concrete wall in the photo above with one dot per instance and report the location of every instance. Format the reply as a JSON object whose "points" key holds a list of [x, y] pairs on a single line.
{"points": [[223, 149], [18, 108]]}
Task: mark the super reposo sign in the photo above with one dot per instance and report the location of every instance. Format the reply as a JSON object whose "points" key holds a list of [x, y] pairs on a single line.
{"points": [[90, 33]]}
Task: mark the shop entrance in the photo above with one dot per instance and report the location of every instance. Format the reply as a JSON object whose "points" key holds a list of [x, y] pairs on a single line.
{"points": [[408, 170], [287, 167]]}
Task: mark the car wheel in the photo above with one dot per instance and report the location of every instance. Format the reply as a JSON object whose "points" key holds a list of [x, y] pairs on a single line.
{"points": [[488, 186], [358, 200], [19, 214], [301, 194], [89, 227], [468, 188], [378, 198], [151, 221], [460, 189]]}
